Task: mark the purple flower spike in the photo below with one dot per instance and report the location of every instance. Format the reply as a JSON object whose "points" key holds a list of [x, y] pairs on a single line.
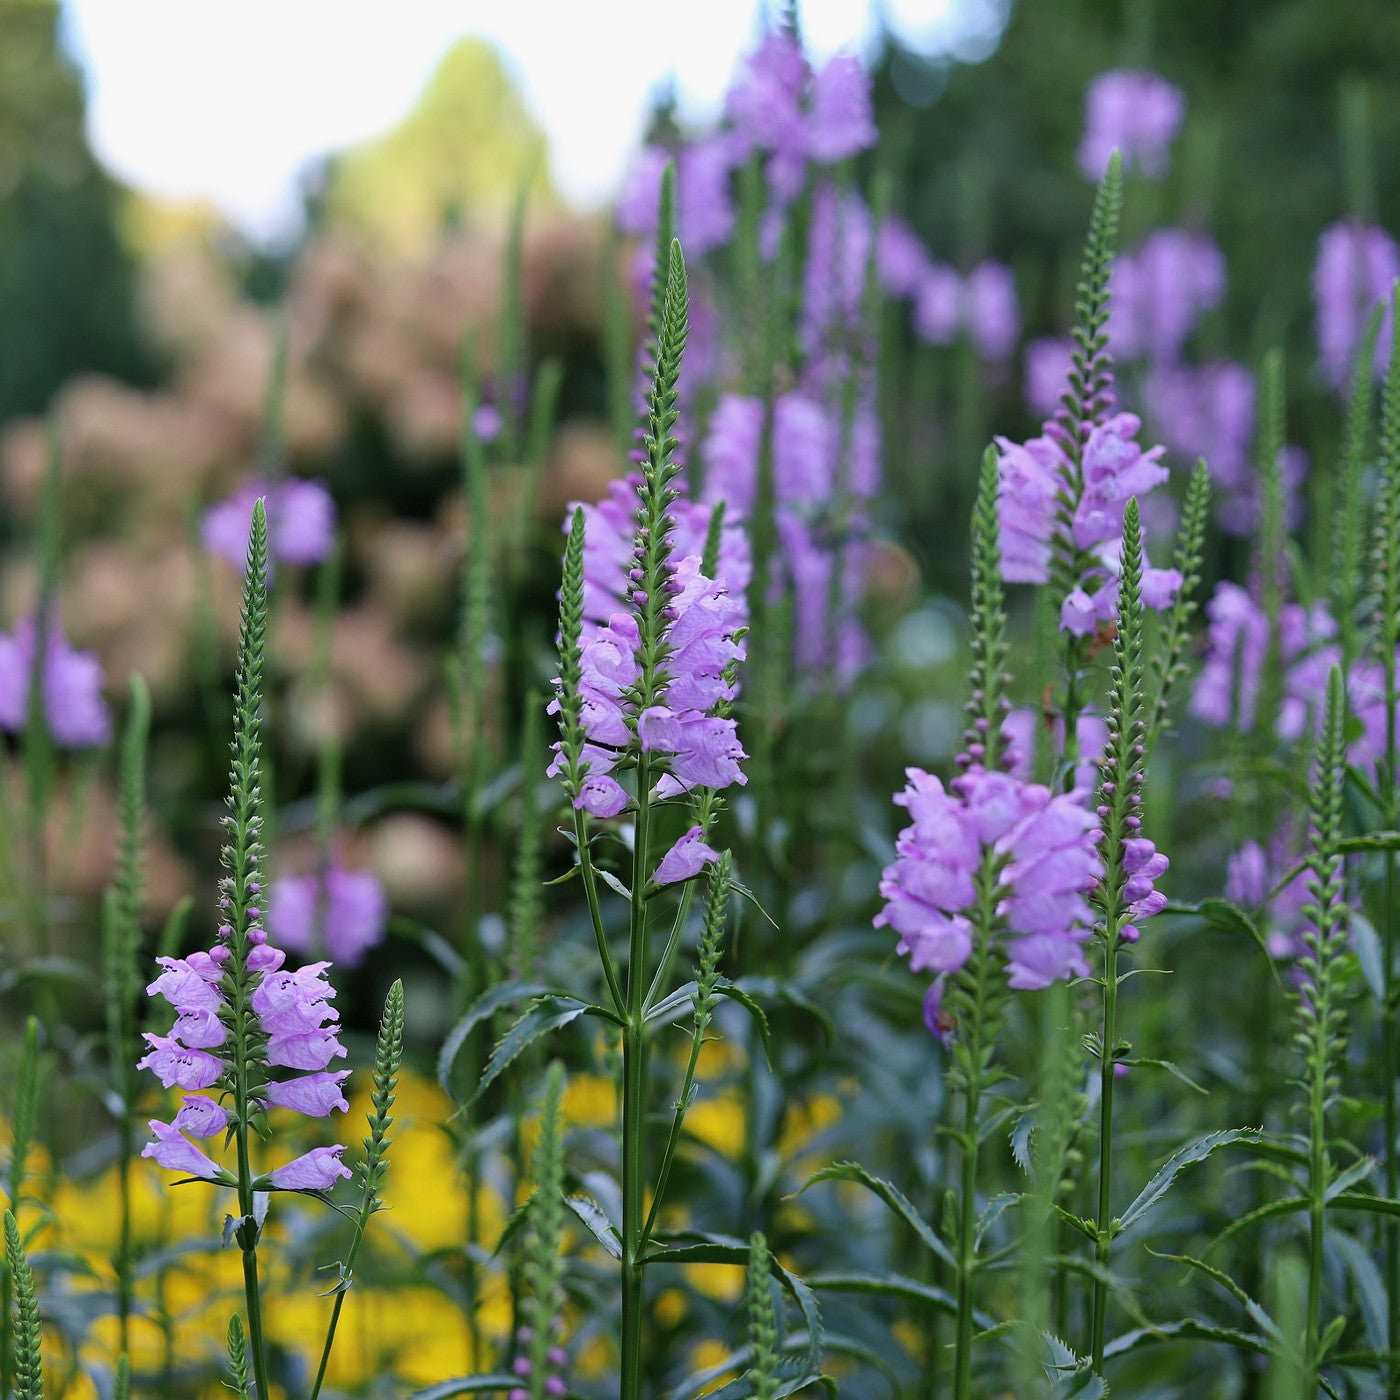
{"points": [[842, 121], [172, 1152], [1136, 111], [317, 1170], [74, 710], [686, 859]]}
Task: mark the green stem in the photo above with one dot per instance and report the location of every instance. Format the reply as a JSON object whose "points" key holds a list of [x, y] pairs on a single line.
{"points": [[595, 910], [1389, 1052], [339, 1304], [248, 1240], [1107, 1065], [634, 1083], [967, 1261]]}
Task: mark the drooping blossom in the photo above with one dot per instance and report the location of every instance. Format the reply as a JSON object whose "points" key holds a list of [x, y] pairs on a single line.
{"points": [[71, 689], [1160, 291], [1357, 264], [686, 859], [1137, 112], [343, 911], [1041, 849], [300, 522]]}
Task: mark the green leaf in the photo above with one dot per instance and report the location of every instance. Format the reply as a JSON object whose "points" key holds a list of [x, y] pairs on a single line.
{"points": [[892, 1196], [595, 1219], [550, 1013], [736, 993], [480, 1010], [776, 989], [1255, 1310], [1195, 1151], [1371, 841], [1174, 1070], [892, 1286], [1225, 915], [518, 1219], [465, 1385], [704, 1247], [1358, 1171], [1368, 954], [1187, 1328]]}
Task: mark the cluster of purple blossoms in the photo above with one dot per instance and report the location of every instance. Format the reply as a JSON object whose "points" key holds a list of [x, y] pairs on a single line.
{"points": [[294, 1013], [343, 911], [1357, 265], [1238, 640], [1113, 468], [1041, 850], [300, 522], [1160, 291], [782, 109], [689, 729], [1134, 111], [1250, 876], [982, 305], [821, 487], [71, 688]]}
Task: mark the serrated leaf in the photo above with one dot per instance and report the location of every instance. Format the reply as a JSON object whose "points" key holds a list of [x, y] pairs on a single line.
{"points": [[891, 1195], [484, 1007], [1172, 1069], [1370, 1291], [1358, 1171], [548, 1014], [1195, 1151], [597, 1223], [706, 1247], [682, 999], [1187, 1327]]}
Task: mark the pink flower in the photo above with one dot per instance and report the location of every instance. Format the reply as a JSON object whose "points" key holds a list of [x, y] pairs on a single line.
{"points": [[686, 859], [172, 1152], [317, 1170], [300, 522], [71, 696]]}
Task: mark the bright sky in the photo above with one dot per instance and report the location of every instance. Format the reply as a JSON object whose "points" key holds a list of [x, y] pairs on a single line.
{"points": [[197, 99]]}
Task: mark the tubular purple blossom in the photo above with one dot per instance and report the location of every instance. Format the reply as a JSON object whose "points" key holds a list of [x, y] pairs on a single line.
{"points": [[1136, 111], [300, 522]]}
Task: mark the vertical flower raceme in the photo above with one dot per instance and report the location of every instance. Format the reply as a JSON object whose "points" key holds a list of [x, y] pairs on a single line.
{"points": [[300, 522], [70, 688], [1356, 267], [1062, 494], [1134, 111], [1042, 849], [246, 1028]]}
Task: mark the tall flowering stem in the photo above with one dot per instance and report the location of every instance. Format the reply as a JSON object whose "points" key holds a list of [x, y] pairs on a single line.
{"points": [[1130, 865], [1086, 402], [242, 858], [1385, 603], [1320, 1033]]}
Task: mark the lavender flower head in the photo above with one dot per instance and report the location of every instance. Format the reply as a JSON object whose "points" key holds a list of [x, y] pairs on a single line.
{"points": [[300, 522], [343, 911], [71, 688], [1041, 849], [1136, 111], [1356, 267], [1160, 292], [1113, 468]]}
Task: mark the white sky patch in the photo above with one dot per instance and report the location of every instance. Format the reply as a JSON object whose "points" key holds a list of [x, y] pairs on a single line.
{"points": [[196, 99]]}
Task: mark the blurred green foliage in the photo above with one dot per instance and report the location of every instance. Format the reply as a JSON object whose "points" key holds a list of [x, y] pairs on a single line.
{"points": [[65, 280]]}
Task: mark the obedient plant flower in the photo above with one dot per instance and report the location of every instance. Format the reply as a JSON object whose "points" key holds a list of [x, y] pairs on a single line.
{"points": [[1062, 494], [1356, 265], [342, 911], [242, 1020], [704, 209], [1041, 847], [1135, 111], [1250, 876], [1161, 290], [990, 311], [71, 688], [300, 522]]}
